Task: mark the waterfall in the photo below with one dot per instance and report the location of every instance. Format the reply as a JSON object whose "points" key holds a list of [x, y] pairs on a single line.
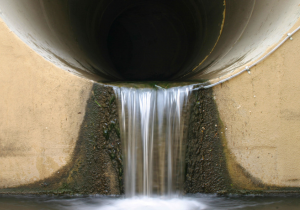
{"points": [[152, 134]]}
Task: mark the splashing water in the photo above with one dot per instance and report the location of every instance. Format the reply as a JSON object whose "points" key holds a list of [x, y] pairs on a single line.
{"points": [[152, 133], [147, 203]]}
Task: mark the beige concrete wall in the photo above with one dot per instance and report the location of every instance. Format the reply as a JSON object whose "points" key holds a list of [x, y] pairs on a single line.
{"points": [[41, 110], [261, 116]]}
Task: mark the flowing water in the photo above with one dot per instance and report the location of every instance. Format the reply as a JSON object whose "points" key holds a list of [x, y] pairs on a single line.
{"points": [[152, 122]]}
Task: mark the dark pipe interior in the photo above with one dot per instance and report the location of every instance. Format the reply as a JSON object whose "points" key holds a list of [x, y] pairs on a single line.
{"points": [[151, 41], [146, 39]]}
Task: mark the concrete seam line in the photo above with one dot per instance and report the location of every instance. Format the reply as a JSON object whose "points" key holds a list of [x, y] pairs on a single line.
{"points": [[247, 68]]}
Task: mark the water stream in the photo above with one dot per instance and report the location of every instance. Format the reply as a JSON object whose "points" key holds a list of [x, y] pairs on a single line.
{"points": [[152, 124]]}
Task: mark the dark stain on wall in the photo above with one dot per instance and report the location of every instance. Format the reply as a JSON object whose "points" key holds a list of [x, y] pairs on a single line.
{"points": [[210, 165], [206, 169], [96, 166]]}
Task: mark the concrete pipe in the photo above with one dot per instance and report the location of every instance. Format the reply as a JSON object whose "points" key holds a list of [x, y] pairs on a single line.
{"points": [[150, 40]]}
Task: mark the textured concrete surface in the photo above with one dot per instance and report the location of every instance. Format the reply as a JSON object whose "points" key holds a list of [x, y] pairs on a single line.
{"points": [[41, 110], [206, 168], [261, 118]]}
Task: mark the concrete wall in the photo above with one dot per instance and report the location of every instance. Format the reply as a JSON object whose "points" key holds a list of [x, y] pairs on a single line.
{"points": [[40, 113], [261, 117]]}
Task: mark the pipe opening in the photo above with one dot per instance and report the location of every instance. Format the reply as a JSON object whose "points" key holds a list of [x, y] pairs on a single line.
{"points": [[138, 40], [153, 41]]}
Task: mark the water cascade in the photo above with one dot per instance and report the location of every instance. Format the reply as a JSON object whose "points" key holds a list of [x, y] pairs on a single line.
{"points": [[152, 122]]}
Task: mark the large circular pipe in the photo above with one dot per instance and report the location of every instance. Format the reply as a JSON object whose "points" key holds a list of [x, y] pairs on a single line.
{"points": [[150, 39]]}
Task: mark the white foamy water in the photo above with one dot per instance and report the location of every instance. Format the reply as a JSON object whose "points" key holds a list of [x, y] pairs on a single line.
{"points": [[152, 134], [191, 202], [147, 203]]}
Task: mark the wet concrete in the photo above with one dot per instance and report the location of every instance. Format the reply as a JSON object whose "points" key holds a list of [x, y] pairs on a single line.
{"points": [[211, 167], [206, 170]]}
